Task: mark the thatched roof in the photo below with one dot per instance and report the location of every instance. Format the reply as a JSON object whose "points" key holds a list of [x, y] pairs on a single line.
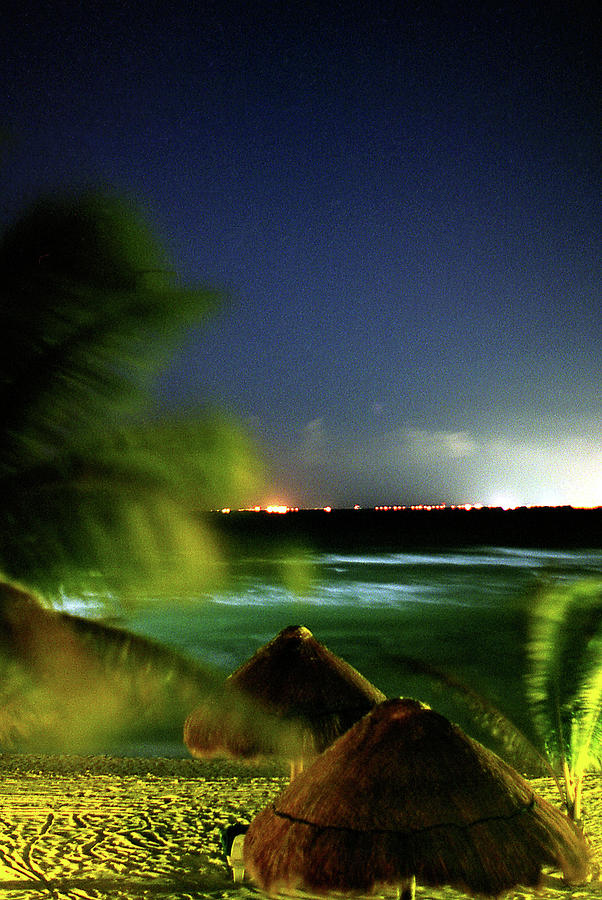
{"points": [[294, 678], [406, 793]]}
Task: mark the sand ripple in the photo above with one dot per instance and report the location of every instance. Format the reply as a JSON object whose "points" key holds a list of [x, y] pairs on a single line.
{"points": [[96, 828]]}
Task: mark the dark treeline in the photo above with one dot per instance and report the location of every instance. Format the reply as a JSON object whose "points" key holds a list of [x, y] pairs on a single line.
{"points": [[357, 530]]}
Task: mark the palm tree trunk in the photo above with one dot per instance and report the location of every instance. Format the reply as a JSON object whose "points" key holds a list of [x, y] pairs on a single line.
{"points": [[407, 889], [296, 767], [578, 791], [571, 788]]}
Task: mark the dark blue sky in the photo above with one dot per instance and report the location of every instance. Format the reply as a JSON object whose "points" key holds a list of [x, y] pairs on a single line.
{"points": [[403, 205]]}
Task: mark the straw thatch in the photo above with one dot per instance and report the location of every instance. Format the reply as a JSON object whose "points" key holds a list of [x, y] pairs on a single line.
{"points": [[294, 678], [406, 793]]}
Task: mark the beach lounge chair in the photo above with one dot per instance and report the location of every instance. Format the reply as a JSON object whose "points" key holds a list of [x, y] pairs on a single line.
{"points": [[233, 838]]}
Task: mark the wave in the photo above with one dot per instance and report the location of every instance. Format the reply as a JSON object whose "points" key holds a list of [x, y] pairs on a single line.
{"points": [[369, 594], [479, 576], [503, 556]]}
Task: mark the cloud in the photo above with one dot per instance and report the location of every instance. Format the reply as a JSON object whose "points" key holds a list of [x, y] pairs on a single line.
{"points": [[409, 465], [438, 444]]}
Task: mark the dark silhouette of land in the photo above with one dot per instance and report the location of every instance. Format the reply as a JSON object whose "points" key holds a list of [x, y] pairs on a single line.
{"points": [[355, 530]]}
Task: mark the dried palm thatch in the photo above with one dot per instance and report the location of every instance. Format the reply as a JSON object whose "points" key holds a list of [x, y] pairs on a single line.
{"points": [[403, 794], [299, 681]]}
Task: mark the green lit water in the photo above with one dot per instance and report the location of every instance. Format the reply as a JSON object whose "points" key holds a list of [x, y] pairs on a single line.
{"points": [[465, 612]]}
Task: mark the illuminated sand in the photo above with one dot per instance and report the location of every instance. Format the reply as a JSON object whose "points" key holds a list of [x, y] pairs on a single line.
{"points": [[96, 827]]}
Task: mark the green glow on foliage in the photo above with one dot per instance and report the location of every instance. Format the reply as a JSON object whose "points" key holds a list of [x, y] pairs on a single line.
{"points": [[90, 310], [565, 677]]}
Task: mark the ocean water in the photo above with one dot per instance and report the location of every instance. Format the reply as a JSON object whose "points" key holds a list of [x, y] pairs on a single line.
{"points": [[463, 612]]}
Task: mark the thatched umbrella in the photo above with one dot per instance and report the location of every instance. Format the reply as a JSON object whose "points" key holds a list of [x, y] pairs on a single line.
{"points": [[295, 679], [406, 794]]}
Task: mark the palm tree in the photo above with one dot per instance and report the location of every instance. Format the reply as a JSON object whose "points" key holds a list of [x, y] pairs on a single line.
{"points": [[89, 313], [94, 490], [563, 681]]}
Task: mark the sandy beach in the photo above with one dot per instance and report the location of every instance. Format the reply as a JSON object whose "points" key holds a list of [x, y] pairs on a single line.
{"points": [[105, 827]]}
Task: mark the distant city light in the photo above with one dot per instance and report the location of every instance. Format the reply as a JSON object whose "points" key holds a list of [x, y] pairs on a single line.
{"points": [[505, 501]]}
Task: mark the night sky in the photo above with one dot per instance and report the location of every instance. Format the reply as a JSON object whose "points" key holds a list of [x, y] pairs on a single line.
{"points": [[402, 206]]}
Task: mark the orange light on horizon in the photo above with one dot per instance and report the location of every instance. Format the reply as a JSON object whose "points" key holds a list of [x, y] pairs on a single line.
{"points": [[428, 507], [501, 503]]}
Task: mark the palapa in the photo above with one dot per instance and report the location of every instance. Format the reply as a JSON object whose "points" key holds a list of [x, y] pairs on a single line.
{"points": [[312, 692], [406, 794]]}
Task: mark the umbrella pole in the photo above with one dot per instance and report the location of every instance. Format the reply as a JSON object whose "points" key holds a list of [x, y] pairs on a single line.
{"points": [[296, 768]]}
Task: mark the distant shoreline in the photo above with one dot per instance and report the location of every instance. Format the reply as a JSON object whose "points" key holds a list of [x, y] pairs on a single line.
{"points": [[397, 530], [76, 765]]}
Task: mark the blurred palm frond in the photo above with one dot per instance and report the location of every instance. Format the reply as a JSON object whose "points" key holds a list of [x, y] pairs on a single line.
{"points": [[563, 685], [90, 311], [514, 745], [564, 680]]}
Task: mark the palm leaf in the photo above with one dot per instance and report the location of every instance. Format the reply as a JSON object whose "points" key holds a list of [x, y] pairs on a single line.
{"points": [[515, 746], [69, 680], [564, 680], [89, 312], [70, 684], [129, 509], [587, 712]]}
